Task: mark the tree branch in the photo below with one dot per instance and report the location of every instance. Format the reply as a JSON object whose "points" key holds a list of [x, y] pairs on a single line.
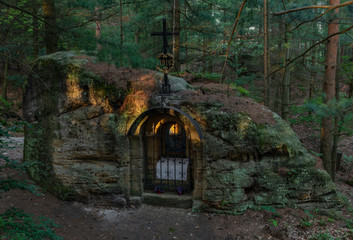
{"points": [[330, 8], [231, 37], [299, 9], [311, 47]]}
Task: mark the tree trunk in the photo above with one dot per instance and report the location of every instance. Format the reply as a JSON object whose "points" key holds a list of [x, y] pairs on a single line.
{"points": [[204, 46], [98, 28], [186, 41], [176, 37], [266, 79], [312, 78], [4, 84], [350, 92], [121, 25], [286, 72], [50, 38], [330, 91], [277, 102], [285, 87], [335, 129], [35, 27]]}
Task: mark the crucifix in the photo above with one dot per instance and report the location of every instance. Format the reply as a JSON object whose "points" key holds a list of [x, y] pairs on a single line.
{"points": [[166, 59]]}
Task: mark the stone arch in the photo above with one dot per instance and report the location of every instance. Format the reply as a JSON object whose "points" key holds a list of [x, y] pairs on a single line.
{"points": [[134, 128], [150, 122]]}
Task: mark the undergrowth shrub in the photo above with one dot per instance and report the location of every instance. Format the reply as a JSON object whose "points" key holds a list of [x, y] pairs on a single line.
{"points": [[16, 224]]}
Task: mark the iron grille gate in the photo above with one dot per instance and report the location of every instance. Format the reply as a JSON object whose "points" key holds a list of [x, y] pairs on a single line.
{"points": [[169, 162]]}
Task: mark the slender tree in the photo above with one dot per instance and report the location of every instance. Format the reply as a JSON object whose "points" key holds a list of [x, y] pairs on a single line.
{"points": [[287, 69], [35, 29], [266, 58], [121, 24], [4, 84], [176, 37], [98, 27], [51, 37], [329, 89]]}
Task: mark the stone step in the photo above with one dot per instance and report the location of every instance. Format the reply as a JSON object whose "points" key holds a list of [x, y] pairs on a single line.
{"points": [[167, 200]]}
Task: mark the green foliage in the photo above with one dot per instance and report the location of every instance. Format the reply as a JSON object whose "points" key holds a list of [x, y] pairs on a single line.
{"points": [[273, 222], [269, 209], [17, 225], [311, 113], [323, 221], [306, 223], [321, 236], [213, 77], [5, 106], [347, 159], [246, 79], [347, 68], [242, 91], [128, 55], [17, 80], [308, 214], [349, 223], [7, 184], [272, 210]]}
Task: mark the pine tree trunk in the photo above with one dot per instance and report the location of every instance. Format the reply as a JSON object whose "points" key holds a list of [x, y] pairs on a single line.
{"points": [[98, 28], [350, 92], [137, 35], [50, 38], [121, 25], [4, 84], [285, 87], [337, 119], [286, 73], [326, 136], [176, 37], [204, 46], [277, 103], [35, 33], [312, 78], [186, 41], [266, 79]]}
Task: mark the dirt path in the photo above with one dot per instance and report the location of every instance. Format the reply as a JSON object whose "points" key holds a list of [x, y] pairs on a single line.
{"points": [[80, 221]]}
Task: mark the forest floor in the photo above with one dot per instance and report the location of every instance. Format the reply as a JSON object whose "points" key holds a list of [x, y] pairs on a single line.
{"points": [[80, 221]]}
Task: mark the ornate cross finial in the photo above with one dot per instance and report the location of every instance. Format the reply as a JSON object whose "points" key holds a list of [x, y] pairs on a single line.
{"points": [[166, 59]]}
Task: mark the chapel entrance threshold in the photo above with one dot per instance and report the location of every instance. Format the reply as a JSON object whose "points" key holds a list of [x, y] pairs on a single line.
{"points": [[168, 199]]}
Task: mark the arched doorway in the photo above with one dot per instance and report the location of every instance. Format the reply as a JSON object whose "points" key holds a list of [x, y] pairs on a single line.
{"points": [[170, 159]]}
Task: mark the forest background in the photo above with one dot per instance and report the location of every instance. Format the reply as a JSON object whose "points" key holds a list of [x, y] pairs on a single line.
{"points": [[294, 56]]}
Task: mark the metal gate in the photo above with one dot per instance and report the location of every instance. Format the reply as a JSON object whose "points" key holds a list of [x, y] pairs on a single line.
{"points": [[168, 159]]}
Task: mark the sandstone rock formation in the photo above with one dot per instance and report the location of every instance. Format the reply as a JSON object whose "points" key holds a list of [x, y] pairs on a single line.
{"points": [[77, 141]]}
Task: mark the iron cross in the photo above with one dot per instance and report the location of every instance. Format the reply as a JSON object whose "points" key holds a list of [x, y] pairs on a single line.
{"points": [[164, 34]]}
